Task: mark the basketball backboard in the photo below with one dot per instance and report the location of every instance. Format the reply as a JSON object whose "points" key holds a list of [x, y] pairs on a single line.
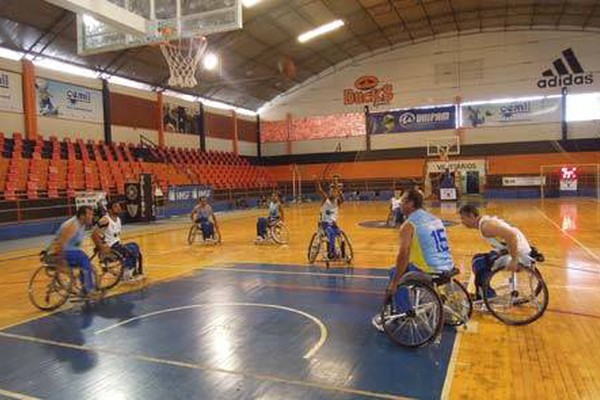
{"points": [[101, 29], [443, 146]]}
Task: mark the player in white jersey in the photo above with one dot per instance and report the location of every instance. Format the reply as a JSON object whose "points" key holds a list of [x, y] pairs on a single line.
{"points": [[510, 247], [204, 215], [330, 208], [107, 237], [396, 208], [275, 215]]}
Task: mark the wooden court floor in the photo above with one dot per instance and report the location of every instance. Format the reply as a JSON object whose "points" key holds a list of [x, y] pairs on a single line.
{"points": [[556, 357]]}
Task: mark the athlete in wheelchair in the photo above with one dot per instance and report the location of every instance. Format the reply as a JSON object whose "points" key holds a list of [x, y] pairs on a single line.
{"points": [[422, 293], [66, 270], [205, 221], [395, 216], [272, 227], [110, 250], [329, 237], [507, 280]]}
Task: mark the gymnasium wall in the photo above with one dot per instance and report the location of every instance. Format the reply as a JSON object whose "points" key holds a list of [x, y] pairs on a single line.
{"points": [[444, 70], [134, 112]]}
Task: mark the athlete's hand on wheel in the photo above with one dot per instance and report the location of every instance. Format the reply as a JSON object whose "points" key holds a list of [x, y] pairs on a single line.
{"points": [[513, 265]]}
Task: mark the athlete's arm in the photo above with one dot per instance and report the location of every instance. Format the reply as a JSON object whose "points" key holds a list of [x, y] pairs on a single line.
{"points": [[406, 235], [98, 234], [492, 229], [281, 216], [214, 217], [320, 190]]}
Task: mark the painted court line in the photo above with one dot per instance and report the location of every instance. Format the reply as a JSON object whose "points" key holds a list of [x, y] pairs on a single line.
{"points": [[162, 361], [15, 395], [309, 354], [567, 234], [264, 271]]}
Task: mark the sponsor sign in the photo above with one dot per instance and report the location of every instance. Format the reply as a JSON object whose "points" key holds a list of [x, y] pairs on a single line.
{"points": [[516, 112], [414, 119], [367, 90], [523, 180], [189, 192], [566, 71], [456, 165], [11, 92], [62, 100], [448, 194]]}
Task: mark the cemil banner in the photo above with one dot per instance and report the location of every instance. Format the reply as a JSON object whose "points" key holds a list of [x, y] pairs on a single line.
{"points": [[412, 120], [62, 100], [511, 113], [11, 92]]}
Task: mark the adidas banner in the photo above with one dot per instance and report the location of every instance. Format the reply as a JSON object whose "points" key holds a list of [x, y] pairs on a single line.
{"points": [[411, 120], [566, 71], [516, 112]]}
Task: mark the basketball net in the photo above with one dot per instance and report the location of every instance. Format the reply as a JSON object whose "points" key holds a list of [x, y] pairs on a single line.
{"points": [[183, 59], [443, 154]]}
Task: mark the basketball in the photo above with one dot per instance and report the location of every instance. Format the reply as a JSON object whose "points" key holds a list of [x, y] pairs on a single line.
{"points": [[287, 67]]}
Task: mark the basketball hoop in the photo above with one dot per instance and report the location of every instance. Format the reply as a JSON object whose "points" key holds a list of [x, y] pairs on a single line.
{"points": [[183, 58]]}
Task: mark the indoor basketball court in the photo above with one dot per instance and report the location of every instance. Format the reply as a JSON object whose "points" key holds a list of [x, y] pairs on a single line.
{"points": [[239, 177]]}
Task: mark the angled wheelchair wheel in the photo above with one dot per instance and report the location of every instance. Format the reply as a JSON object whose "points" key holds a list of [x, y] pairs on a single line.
{"points": [[216, 239], [49, 288], [457, 304], [280, 233], [314, 248], [422, 320], [516, 298], [192, 234], [346, 251], [109, 271]]}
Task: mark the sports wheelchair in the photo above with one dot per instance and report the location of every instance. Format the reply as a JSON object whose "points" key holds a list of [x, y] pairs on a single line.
{"points": [[54, 282], [433, 300], [319, 244], [276, 232], [517, 297], [196, 231]]}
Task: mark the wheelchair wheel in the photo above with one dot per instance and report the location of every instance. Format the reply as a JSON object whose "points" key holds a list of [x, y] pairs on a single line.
{"points": [[216, 239], [346, 248], [192, 234], [458, 306], [280, 233], [421, 324], [314, 248], [109, 271], [49, 288], [516, 298]]}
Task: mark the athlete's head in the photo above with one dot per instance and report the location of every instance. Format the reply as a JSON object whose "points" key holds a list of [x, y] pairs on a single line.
{"points": [[114, 208], [85, 215], [412, 201], [203, 200], [469, 216]]}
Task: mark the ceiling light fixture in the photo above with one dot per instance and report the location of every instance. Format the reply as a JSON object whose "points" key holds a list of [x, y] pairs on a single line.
{"points": [[321, 30], [210, 61], [250, 3]]}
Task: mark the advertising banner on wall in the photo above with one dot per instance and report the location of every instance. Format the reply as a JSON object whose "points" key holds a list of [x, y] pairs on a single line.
{"points": [[412, 120], [62, 100], [189, 192], [511, 113], [179, 119], [11, 93]]}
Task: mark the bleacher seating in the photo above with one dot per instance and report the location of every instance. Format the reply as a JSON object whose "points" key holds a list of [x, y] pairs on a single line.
{"points": [[50, 168]]}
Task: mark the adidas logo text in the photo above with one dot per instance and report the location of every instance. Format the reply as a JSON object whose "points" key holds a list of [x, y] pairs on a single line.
{"points": [[563, 74]]}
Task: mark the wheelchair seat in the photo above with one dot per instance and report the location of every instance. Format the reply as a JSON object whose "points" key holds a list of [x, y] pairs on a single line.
{"points": [[442, 278]]}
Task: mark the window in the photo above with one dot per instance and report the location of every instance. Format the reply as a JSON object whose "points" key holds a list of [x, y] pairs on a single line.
{"points": [[583, 107]]}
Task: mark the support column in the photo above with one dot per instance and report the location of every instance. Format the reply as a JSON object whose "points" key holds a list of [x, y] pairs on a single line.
{"points": [[258, 145], [202, 128], [288, 118], [160, 116], [368, 125], [29, 101], [106, 111], [236, 149], [460, 132]]}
